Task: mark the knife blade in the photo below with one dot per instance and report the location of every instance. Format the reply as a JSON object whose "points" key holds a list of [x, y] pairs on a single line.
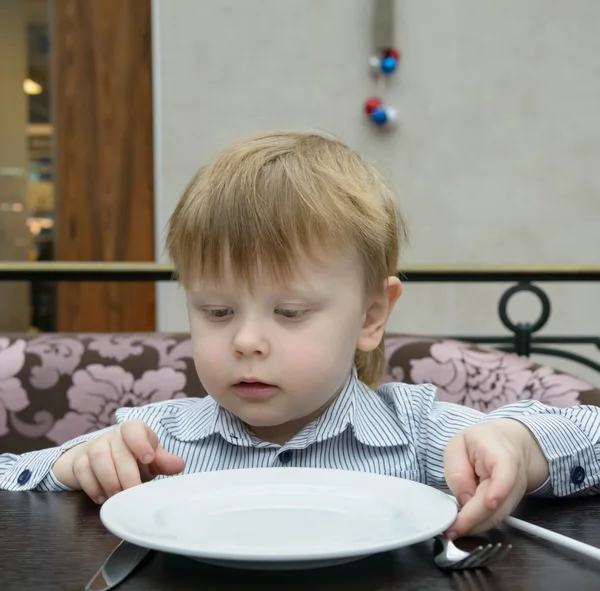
{"points": [[117, 567]]}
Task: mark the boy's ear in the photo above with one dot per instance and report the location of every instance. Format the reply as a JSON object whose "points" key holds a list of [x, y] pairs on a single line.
{"points": [[379, 308]]}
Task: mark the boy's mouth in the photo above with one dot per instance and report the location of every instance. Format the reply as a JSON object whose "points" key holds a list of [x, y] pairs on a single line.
{"points": [[253, 389]]}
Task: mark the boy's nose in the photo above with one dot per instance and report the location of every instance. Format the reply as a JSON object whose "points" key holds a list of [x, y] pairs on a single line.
{"points": [[249, 341]]}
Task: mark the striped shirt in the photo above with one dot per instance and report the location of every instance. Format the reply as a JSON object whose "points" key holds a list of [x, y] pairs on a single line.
{"points": [[399, 430]]}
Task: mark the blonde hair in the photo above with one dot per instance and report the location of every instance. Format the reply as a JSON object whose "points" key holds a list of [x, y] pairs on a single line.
{"points": [[270, 197]]}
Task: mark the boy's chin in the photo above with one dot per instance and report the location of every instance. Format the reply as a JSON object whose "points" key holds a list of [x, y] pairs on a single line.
{"points": [[252, 420], [264, 417]]}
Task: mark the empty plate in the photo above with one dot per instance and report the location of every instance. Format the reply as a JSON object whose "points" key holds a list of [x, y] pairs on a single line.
{"points": [[278, 518]]}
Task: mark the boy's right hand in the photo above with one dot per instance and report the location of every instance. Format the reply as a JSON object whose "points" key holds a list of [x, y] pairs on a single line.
{"points": [[123, 457]]}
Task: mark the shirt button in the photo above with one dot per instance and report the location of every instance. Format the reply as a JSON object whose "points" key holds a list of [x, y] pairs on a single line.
{"points": [[286, 457], [577, 475], [24, 477]]}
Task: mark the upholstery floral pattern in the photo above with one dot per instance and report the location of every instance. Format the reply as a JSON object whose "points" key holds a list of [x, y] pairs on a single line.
{"points": [[99, 390], [13, 397], [487, 379], [54, 387]]}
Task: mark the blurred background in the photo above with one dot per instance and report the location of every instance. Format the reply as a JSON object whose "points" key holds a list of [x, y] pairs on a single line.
{"points": [[27, 210], [108, 107]]}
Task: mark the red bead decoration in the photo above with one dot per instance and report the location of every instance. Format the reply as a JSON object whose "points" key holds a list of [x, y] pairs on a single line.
{"points": [[393, 52], [372, 104]]}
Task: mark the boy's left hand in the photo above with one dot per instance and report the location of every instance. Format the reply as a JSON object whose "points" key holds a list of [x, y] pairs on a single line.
{"points": [[489, 467]]}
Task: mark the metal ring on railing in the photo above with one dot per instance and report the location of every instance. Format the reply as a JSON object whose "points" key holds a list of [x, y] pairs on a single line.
{"points": [[523, 331], [509, 293]]}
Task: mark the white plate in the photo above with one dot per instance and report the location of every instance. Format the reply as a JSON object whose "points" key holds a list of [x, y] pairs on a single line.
{"points": [[278, 518]]}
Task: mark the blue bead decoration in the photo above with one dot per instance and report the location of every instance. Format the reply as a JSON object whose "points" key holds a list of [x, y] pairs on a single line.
{"points": [[388, 65], [379, 116]]}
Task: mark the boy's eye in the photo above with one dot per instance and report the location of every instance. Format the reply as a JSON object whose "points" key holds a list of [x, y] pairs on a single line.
{"points": [[217, 313], [290, 313]]}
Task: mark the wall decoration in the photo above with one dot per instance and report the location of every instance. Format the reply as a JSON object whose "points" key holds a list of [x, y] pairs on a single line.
{"points": [[383, 64]]}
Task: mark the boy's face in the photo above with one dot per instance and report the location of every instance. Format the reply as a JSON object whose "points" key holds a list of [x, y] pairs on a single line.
{"points": [[278, 356]]}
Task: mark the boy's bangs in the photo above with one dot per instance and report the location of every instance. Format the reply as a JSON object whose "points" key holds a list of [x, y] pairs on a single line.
{"points": [[254, 227]]}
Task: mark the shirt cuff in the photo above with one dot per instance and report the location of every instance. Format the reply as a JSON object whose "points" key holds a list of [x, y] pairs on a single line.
{"points": [[30, 469], [50, 484], [34, 469], [573, 463]]}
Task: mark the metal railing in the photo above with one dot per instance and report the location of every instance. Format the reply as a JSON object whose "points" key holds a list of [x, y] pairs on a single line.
{"points": [[522, 338]]}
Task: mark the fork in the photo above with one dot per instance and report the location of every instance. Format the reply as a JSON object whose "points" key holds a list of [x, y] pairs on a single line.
{"points": [[452, 558]]}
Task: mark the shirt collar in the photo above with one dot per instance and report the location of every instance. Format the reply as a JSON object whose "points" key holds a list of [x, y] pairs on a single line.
{"points": [[194, 422], [371, 417], [202, 418]]}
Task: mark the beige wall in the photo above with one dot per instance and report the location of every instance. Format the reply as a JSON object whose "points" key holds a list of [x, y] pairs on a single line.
{"points": [[495, 160]]}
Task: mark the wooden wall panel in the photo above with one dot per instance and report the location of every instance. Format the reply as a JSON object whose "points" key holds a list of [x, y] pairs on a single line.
{"points": [[102, 68]]}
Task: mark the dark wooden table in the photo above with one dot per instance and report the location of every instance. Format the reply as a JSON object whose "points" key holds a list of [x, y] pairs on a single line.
{"points": [[55, 541]]}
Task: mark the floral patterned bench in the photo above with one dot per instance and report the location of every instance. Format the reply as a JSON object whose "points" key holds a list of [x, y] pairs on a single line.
{"points": [[56, 386]]}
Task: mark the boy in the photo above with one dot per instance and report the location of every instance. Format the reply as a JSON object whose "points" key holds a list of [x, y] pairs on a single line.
{"points": [[287, 246]]}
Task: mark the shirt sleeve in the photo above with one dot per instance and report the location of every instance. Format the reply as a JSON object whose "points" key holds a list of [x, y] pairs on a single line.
{"points": [[568, 437], [33, 470]]}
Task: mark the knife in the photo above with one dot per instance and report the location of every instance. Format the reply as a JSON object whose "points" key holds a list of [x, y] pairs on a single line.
{"points": [[117, 567]]}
